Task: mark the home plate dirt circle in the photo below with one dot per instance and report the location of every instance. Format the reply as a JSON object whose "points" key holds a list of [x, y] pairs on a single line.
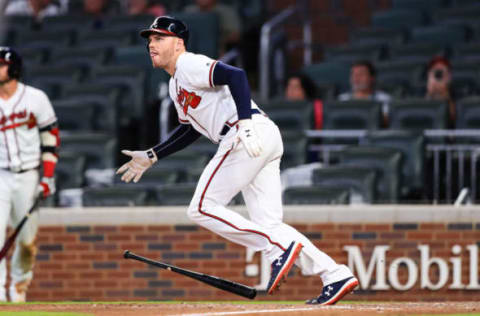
{"points": [[217, 309]]}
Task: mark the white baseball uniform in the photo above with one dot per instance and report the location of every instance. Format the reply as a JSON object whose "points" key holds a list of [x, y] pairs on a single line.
{"points": [[208, 109], [21, 116]]}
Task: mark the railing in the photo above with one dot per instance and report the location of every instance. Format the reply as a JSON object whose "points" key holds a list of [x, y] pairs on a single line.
{"points": [[300, 7], [462, 151]]}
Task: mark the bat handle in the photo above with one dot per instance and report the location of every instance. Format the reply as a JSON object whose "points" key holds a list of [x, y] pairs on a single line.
{"points": [[126, 254]]}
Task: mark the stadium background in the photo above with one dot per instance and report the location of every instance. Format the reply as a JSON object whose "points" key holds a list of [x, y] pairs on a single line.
{"points": [[107, 97]]}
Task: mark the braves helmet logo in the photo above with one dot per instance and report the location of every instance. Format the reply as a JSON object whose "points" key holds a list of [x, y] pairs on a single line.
{"points": [[187, 99]]}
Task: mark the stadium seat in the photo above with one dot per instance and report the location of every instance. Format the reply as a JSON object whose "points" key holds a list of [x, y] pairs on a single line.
{"points": [[75, 116], [329, 73], [69, 170], [157, 175], [464, 83], [466, 51], [99, 149], [83, 57], [439, 34], [200, 24], [103, 96], [351, 53], [131, 80], [294, 149], [385, 161], [177, 194], [468, 117], [376, 36], [68, 22], [398, 18], [418, 114], [416, 51], [115, 196], [46, 40], [106, 38], [412, 146], [426, 5], [354, 114], [294, 117], [464, 12], [360, 182], [315, 195]]}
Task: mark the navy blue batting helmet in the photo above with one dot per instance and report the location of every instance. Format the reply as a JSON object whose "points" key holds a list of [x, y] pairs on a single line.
{"points": [[13, 60], [167, 25]]}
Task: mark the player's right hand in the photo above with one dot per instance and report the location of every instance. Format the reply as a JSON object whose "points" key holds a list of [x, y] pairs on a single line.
{"points": [[140, 162], [46, 187], [249, 138]]}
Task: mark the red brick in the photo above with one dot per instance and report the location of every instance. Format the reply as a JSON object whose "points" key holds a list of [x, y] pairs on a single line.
{"points": [[80, 284], [419, 235], [444, 235], [105, 229], [93, 295], [323, 227], [65, 238], [63, 275], [119, 237], [378, 227], [63, 256], [146, 237], [92, 256], [105, 283], [91, 275], [119, 274], [186, 247], [336, 235], [431, 226], [76, 247], [475, 235], [132, 229], [159, 228], [134, 247], [49, 265], [51, 229], [78, 265], [42, 239], [201, 237], [350, 227]]}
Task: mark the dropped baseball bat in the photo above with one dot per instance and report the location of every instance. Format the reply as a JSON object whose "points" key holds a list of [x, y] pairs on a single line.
{"points": [[226, 285], [9, 242]]}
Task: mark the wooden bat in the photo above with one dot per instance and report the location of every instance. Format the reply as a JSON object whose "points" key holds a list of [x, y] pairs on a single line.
{"points": [[9, 242], [226, 285]]}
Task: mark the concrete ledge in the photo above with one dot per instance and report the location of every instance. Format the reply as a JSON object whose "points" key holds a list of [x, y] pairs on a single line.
{"points": [[310, 214]]}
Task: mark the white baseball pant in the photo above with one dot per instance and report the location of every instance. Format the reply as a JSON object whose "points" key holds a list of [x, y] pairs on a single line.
{"points": [[17, 194], [230, 171]]}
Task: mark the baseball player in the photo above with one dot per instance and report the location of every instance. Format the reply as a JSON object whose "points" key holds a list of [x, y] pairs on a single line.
{"points": [[28, 141], [213, 99]]}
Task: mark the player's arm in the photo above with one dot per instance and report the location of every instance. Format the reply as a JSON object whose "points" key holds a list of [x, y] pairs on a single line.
{"points": [[237, 82], [50, 142], [181, 137]]}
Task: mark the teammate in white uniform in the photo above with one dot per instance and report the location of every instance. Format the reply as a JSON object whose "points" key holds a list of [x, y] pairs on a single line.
{"points": [[213, 99], [28, 142]]}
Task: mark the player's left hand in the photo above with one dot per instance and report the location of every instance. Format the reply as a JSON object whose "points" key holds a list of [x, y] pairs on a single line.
{"points": [[249, 138], [140, 162], [46, 186]]}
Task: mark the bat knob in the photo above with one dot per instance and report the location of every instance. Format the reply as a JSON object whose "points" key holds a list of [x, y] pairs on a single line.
{"points": [[126, 254]]}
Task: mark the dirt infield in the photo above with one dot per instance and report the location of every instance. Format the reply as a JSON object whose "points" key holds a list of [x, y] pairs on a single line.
{"points": [[217, 309]]}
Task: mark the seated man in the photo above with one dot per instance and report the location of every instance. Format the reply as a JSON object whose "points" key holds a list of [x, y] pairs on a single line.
{"points": [[362, 82]]}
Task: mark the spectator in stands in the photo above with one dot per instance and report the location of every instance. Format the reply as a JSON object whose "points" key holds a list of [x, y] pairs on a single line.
{"points": [[35, 8], [439, 77], [136, 7], [362, 82], [98, 9], [298, 88], [230, 23]]}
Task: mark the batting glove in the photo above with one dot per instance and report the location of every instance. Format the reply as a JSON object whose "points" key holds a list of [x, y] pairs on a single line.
{"points": [[46, 186], [249, 138], [140, 162]]}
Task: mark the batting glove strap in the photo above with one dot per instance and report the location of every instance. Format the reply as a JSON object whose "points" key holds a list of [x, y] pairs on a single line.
{"points": [[46, 186], [249, 138]]}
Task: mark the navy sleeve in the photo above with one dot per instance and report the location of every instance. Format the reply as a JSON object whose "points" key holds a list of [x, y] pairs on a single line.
{"points": [[237, 82], [181, 137]]}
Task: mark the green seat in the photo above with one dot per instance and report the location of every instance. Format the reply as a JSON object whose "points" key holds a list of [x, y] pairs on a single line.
{"points": [[200, 24], [131, 80], [294, 149], [75, 116], [439, 34], [464, 83], [354, 114], [71, 22], [315, 195], [115, 196], [84, 57], [138, 56], [412, 146], [466, 51], [376, 36], [425, 5], [385, 161], [291, 119], [468, 113], [398, 18], [465, 12], [178, 194], [51, 79], [69, 170], [352, 53], [418, 114], [156, 175], [360, 182], [105, 38], [336, 73], [104, 97], [420, 50], [98, 148]]}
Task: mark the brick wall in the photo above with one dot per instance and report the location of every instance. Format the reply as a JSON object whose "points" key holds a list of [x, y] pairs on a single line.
{"points": [[84, 262]]}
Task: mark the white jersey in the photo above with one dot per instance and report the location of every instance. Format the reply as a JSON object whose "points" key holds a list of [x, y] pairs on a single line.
{"points": [[21, 116], [197, 100]]}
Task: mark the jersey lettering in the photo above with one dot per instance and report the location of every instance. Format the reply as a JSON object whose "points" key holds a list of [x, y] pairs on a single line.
{"points": [[187, 99]]}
